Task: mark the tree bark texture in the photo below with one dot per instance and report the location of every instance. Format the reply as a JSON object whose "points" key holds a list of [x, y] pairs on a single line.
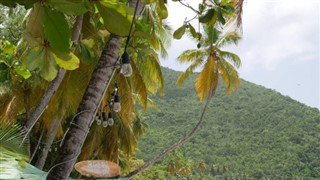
{"points": [[79, 128], [35, 148], [54, 84], [54, 126]]}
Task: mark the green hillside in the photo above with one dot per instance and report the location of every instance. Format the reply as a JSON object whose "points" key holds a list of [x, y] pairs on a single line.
{"points": [[255, 132]]}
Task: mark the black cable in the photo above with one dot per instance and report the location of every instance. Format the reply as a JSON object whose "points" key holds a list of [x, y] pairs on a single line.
{"points": [[133, 20]]}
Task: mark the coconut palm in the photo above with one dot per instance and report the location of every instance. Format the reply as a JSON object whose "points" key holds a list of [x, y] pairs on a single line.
{"points": [[121, 139], [215, 64], [102, 76], [213, 61]]}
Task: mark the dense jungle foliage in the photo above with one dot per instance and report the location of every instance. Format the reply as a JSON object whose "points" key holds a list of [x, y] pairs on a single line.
{"points": [[255, 132]]}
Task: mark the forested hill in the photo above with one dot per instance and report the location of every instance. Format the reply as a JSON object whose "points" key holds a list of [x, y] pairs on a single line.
{"points": [[255, 132]]}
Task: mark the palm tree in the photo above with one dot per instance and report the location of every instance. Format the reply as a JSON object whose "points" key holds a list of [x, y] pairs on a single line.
{"points": [[215, 63], [146, 79], [102, 76]]}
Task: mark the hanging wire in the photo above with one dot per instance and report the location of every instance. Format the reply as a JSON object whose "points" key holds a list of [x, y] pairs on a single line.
{"points": [[126, 46], [131, 26]]}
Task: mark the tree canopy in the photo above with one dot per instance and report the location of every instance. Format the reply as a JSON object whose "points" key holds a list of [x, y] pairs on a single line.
{"points": [[64, 72]]}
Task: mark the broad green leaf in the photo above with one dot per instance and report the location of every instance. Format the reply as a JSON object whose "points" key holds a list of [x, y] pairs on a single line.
{"points": [[193, 31], [27, 3], [23, 72], [13, 3], [220, 16], [42, 59], [4, 75], [8, 3], [33, 26], [8, 48], [4, 71], [162, 10], [56, 29], [207, 17], [179, 32], [117, 17], [87, 56], [71, 7], [34, 56], [67, 61]]}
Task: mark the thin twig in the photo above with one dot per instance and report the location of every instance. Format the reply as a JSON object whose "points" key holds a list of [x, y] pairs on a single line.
{"points": [[188, 6]]}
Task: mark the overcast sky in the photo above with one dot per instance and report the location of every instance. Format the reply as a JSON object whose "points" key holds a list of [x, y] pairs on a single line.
{"points": [[279, 48]]}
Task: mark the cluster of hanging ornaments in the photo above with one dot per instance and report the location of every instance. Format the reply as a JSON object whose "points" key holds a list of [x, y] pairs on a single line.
{"points": [[114, 103], [126, 70], [52, 148]]}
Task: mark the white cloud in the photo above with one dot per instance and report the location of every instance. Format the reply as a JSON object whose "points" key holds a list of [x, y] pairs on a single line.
{"points": [[280, 47], [278, 31]]}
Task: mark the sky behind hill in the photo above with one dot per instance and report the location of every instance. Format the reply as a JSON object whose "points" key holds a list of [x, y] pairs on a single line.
{"points": [[279, 49]]}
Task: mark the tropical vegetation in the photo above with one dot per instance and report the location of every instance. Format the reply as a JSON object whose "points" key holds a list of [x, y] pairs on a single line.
{"points": [[65, 70], [254, 133]]}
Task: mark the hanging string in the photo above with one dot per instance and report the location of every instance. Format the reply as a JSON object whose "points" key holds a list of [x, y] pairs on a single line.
{"points": [[131, 26]]}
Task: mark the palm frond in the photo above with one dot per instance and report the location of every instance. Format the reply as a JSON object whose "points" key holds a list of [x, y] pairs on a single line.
{"points": [[235, 59], [150, 69], [128, 142], [229, 75], [228, 38], [108, 148], [160, 31], [211, 35], [66, 100], [192, 55], [183, 76], [138, 86], [154, 41], [163, 49], [11, 136], [95, 138], [206, 78], [14, 152], [127, 104], [139, 127], [150, 104], [12, 104]]}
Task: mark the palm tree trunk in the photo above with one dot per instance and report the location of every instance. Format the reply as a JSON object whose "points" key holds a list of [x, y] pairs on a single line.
{"points": [[79, 128], [98, 84], [178, 143], [54, 84], [50, 137], [35, 149]]}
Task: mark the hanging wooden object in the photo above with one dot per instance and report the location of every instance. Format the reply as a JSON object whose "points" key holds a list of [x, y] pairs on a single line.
{"points": [[98, 168]]}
